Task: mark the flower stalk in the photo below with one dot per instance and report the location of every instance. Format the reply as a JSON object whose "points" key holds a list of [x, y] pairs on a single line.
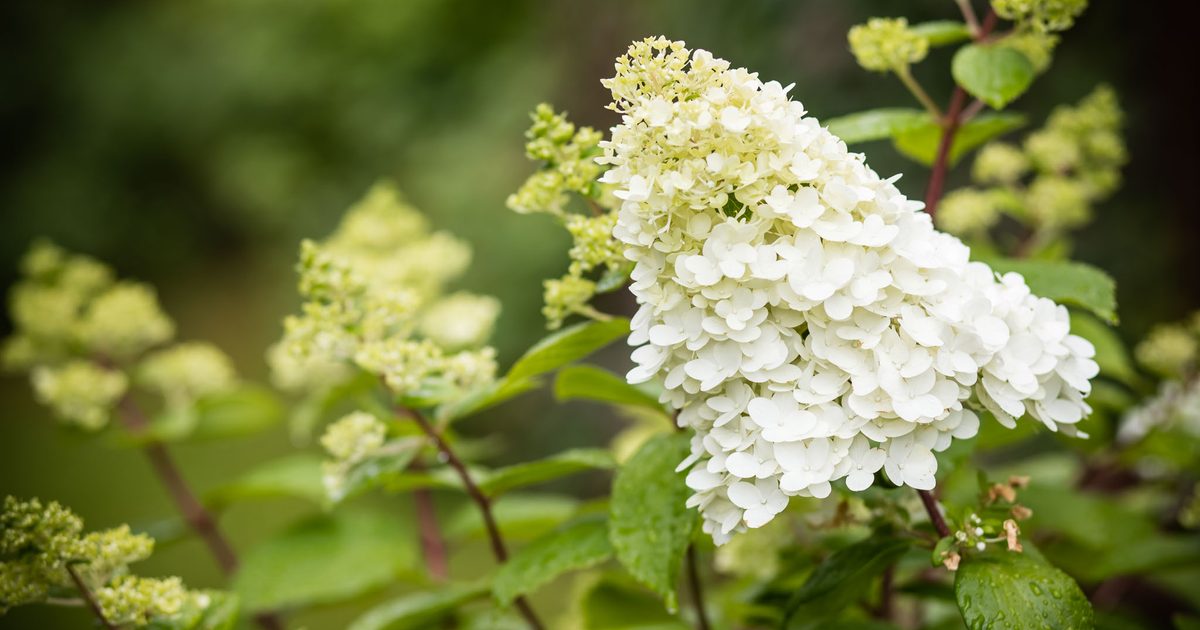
{"points": [[89, 599]]}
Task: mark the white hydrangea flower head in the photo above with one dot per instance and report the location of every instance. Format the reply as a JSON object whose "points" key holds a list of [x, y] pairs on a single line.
{"points": [[807, 320]]}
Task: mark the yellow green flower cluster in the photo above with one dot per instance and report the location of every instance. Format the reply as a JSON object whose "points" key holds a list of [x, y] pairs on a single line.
{"points": [[40, 542], [374, 300], [1053, 180], [349, 440], [1171, 350], [188, 371], [1041, 15], [887, 45]]}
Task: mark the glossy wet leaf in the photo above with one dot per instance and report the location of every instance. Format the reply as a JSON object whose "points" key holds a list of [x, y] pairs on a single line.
{"points": [[1002, 590]]}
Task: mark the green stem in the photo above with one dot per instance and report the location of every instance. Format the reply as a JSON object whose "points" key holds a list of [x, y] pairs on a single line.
{"points": [[906, 77]]}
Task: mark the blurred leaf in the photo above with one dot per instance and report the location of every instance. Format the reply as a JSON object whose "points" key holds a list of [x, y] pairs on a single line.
{"points": [[577, 546], [1185, 622], [942, 32], [844, 577], [614, 279], [519, 517], [325, 559], [1002, 589], [320, 405], [921, 143], [442, 478], [376, 470], [650, 525], [501, 390], [1091, 519], [419, 610], [611, 603], [1067, 282], [589, 382], [296, 476], [205, 610], [567, 345], [876, 124], [246, 410], [553, 467], [1111, 353], [1149, 554], [994, 74]]}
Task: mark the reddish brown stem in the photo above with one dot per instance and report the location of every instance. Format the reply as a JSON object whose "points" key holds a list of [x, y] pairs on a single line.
{"points": [[693, 570], [482, 501], [935, 513], [198, 518], [88, 598], [433, 548]]}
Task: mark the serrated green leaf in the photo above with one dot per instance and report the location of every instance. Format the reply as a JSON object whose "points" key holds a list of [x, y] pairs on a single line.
{"points": [[566, 346], [1067, 282], [519, 517], [589, 382], [1111, 354], [650, 525], [844, 577], [326, 559], [419, 610], [1002, 590], [995, 75], [921, 143], [876, 124], [577, 546], [553, 467], [942, 32], [296, 476], [613, 603]]}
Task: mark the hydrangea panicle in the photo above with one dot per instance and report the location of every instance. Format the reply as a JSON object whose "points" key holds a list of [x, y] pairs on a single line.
{"points": [[806, 318]]}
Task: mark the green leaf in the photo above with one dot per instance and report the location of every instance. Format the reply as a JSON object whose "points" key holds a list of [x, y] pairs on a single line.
{"points": [[994, 74], [921, 143], [566, 346], [844, 577], [1111, 354], [502, 390], [1067, 282], [553, 467], [613, 603], [203, 610], [327, 558], [876, 124], [1002, 590], [650, 527], [589, 382], [574, 547], [519, 517], [419, 610], [378, 469], [243, 411], [296, 476], [614, 279], [942, 32]]}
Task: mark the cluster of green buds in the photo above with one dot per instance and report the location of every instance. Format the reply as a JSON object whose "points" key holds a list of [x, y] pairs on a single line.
{"points": [[374, 301], [567, 158], [1044, 16], [887, 45], [83, 337], [1170, 350], [1050, 183], [993, 521], [45, 554]]}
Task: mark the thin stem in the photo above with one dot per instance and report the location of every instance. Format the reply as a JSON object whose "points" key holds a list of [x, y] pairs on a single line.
{"points": [[935, 513], [481, 500], [887, 594], [910, 82], [693, 570], [968, 12], [89, 599], [198, 518], [433, 548]]}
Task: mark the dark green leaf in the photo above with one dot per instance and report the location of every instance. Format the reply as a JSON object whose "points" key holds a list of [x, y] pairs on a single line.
{"points": [[994, 74], [921, 143], [650, 526], [566, 346], [612, 603], [553, 467], [419, 610], [593, 383], [1111, 354], [326, 559], [291, 476], [574, 547], [942, 32], [844, 577], [876, 124], [519, 517], [1002, 589], [1066, 282]]}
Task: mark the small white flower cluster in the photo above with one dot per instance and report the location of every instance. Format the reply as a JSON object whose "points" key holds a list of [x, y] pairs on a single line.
{"points": [[809, 322]]}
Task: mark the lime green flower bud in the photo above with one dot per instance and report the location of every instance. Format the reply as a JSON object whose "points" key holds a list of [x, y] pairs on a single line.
{"points": [[80, 392], [1052, 150], [566, 296], [569, 165], [1000, 163], [129, 599], [1168, 350], [471, 368], [188, 371], [1037, 46], [1041, 15], [968, 211], [354, 437], [460, 320], [405, 364], [124, 321], [295, 371], [594, 243], [887, 45], [1058, 202]]}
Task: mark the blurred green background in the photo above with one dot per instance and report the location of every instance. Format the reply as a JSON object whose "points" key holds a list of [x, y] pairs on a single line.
{"points": [[192, 144]]}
